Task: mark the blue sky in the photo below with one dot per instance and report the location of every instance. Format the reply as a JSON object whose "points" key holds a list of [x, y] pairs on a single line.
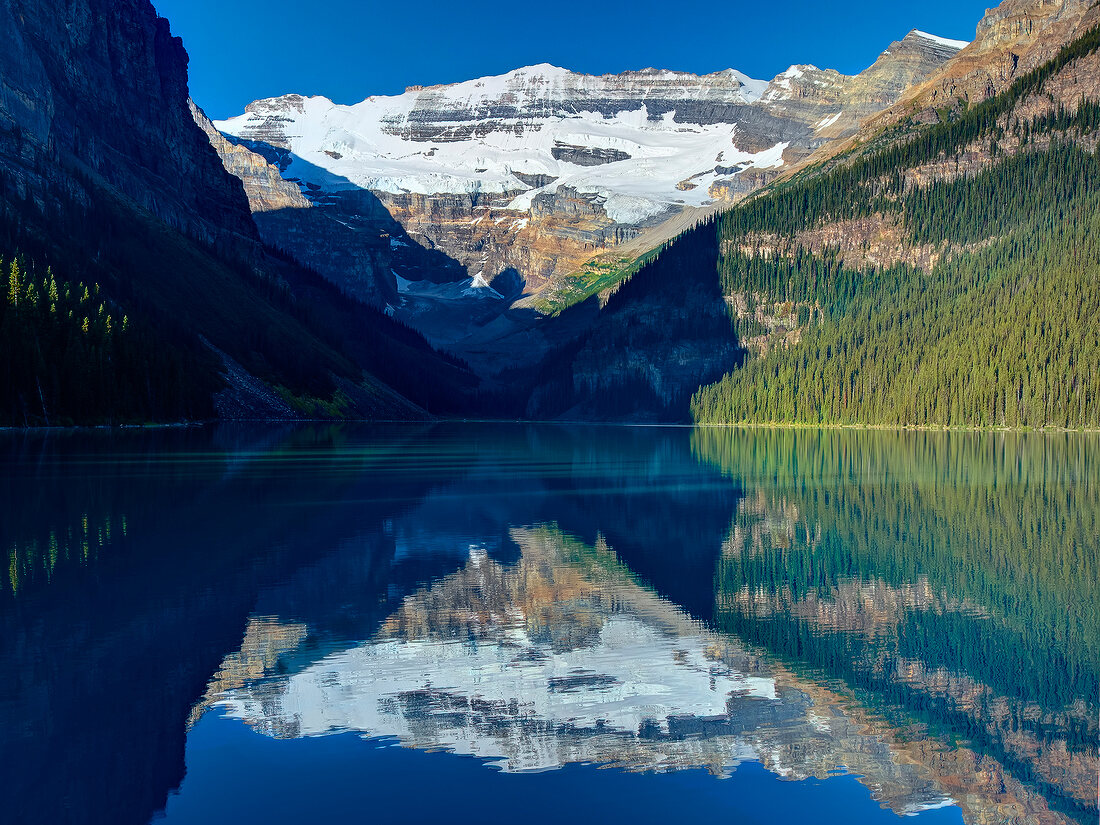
{"points": [[350, 49]]}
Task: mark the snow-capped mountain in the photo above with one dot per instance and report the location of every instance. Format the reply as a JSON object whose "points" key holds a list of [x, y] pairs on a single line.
{"points": [[515, 181], [628, 139]]}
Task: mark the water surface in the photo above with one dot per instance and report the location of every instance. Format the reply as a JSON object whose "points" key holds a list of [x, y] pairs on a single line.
{"points": [[498, 623]]}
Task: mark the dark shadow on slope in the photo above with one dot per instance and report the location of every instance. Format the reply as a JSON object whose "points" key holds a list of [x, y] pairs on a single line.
{"points": [[663, 334], [348, 235], [179, 286], [352, 240]]}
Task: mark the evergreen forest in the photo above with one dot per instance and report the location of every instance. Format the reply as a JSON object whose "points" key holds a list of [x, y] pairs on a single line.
{"points": [[72, 355], [1002, 330]]}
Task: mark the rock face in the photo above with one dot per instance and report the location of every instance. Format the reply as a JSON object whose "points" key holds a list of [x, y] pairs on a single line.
{"points": [[1023, 34], [100, 88], [105, 176], [835, 105], [268, 190], [520, 179], [1011, 40]]}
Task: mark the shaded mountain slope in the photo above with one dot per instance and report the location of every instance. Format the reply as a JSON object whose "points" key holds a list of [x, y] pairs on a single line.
{"points": [[148, 218]]}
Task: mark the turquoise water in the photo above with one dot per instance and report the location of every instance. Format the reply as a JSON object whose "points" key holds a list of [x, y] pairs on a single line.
{"points": [[505, 623]]}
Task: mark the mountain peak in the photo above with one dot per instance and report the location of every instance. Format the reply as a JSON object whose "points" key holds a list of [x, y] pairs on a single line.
{"points": [[540, 71], [289, 102], [957, 45], [541, 68]]}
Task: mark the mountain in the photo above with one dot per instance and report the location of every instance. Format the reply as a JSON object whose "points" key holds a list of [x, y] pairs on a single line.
{"points": [[935, 272], [1011, 40], [504, 187], [138, 287], [70, 76], [894, 247]]}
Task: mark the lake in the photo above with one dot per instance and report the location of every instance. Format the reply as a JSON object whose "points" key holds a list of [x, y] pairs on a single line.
{"points": [[497, 623]]}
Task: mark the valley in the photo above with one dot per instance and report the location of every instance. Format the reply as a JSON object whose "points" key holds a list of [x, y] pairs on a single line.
{"points": [[584, 444], [652, 245], [519, 184]]}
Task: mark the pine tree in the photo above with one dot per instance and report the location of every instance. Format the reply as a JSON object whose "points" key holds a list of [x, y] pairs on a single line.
{"points": [[15, 283]]}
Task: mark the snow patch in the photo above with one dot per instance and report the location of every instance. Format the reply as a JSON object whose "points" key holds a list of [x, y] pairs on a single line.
{"points": [[371, 145], [478, 284], [631, 208], [916, 809], [404, 286], [780, 88], [943, 41], [752, 90]]}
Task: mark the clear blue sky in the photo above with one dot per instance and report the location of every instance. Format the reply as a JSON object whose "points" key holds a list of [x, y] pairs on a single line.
{"points": [[350, 49]]}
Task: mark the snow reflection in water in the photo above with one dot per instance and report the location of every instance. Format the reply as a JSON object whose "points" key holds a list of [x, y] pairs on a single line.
{"points": [[562, 657]]}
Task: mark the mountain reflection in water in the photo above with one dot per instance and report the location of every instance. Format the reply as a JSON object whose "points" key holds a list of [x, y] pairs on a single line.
{"points": [[917, 611]]}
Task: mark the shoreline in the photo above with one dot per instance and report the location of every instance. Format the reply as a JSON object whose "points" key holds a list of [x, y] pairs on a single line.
{"points": [[915, 428], [924, 428]]}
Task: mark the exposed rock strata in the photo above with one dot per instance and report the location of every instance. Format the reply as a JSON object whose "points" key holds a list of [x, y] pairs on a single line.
{"points": [[1011, 40]]}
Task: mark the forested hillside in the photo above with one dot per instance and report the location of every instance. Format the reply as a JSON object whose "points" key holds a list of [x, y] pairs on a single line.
{"points": [[996, 523], [71, 355], [1000, 326]]}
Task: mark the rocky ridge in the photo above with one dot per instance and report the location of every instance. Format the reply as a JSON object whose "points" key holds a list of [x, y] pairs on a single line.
{"points": [[1011, 40]]}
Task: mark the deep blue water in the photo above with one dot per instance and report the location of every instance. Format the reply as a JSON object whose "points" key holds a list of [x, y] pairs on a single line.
{"points": [[505, 623]]}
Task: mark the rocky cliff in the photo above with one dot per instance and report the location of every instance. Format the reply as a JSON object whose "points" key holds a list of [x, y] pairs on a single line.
{"points": [[835, 105], [98, 88], [1011, 40]]}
